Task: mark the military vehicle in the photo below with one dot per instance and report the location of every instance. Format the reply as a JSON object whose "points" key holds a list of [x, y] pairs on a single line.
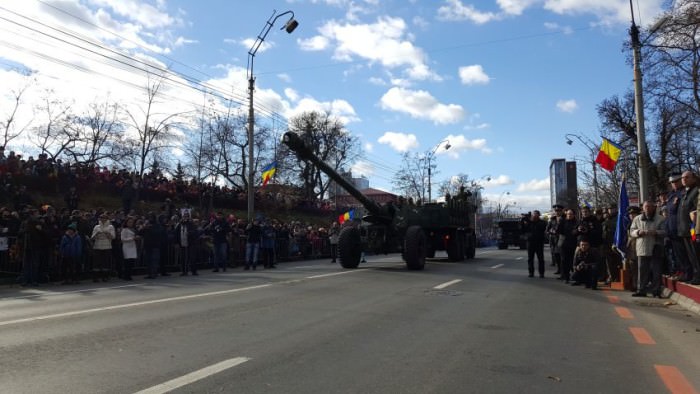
{"points": [[414, 231], [510, 232]]}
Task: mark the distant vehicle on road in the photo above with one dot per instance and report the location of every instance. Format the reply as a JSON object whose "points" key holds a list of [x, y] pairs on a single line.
{"points": [[510, 233]]}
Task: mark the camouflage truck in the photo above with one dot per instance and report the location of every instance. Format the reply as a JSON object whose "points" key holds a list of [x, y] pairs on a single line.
{"points": [[416, 232]]}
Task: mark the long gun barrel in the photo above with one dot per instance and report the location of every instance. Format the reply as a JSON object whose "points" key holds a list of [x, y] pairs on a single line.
{"points": [[295, 143]]}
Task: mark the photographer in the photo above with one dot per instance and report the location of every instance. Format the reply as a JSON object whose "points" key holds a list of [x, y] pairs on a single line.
{"points": [[536, 230], [586, 263]]}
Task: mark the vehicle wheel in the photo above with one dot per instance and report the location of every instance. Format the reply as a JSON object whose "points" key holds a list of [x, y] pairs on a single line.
{"points": [[430, 253], [349, 247], [471, 246], [415, 247], [502, 246]]}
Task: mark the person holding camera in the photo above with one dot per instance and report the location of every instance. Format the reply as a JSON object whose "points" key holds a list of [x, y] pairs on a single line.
{"points": [[536, 230], [586, 264]]}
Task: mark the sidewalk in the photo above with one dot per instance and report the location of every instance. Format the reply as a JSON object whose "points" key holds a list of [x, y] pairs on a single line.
{"points": [[683, 294]]}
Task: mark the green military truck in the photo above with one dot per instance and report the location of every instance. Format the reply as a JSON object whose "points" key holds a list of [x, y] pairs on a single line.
{"points": [[509, 232]]}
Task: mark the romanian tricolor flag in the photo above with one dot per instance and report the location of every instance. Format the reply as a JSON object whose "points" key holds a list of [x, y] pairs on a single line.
{"points": [[608, 154], [349, 215], [693, 236], [268, 172]]}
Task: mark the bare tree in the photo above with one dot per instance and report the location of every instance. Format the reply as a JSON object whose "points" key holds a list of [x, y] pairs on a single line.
{"points": [[154, 130], [329, 140], [53, 137], [8, 123], [411, 178], [98, 132]]}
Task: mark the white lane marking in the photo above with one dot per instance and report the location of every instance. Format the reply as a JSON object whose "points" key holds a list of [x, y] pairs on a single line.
{"points": [[133, 304], [497, 266], [450, 283], [518, 258], [45, 293], [194, 376], [335, 274]]}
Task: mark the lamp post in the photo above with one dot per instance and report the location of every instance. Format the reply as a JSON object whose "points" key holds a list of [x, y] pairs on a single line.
{"points": [[430, 170], [592, 149], [289, 28], [639, 102]]}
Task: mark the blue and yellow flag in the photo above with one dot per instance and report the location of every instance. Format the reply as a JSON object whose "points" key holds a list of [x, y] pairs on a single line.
{"points": [[268, 172], [623, 220], [349, 215]]}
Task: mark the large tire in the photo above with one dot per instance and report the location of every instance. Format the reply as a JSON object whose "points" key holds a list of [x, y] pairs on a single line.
{"points": [[415, 247], [502, 246], [470, 247], [349, 247]]}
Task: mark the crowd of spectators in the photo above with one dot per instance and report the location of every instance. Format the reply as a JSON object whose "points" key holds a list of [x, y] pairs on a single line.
{"points": [[69, 241]]}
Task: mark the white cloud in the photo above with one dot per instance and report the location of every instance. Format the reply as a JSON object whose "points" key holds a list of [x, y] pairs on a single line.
{"points": [[284, 77], [556, 27], [515, 7], [247, 43], [369, 147], [420, 22], [501, 180], [607, 11], [473, 75], [459, 144], [377, 81], [421, 105], [386, 42], [534, 185], [454, 10], [400, 142], [567, 106], [291, 94], [363, 168]]}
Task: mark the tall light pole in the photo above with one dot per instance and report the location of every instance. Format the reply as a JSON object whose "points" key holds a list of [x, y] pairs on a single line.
{"points": [[592, 149], [430, 170], [639, 103], [289, 27]]}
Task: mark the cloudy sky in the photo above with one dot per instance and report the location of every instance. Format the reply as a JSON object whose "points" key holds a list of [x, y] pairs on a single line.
{"points": [[503, 81]]}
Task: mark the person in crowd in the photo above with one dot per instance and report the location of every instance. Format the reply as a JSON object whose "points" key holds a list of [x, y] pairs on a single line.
{"points": [[166, 236], [282, 241], [630, 248], [4, 237], [688, 203], [71, 250], [219, 230], [673, 198], [32, 232], [590, 227], [610, 257], [150, 232], [649, 231], [72, 199], [333, 237], [586, 264], [186, 237], [267, 245], [536, 229], [102, 235], [566, 240], [129, 247], [556, 218], [254, 236]]}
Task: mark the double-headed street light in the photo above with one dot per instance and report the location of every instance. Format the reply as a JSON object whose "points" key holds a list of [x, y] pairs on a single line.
{"points": [[592, 148], [289, 28], [430, 157]]}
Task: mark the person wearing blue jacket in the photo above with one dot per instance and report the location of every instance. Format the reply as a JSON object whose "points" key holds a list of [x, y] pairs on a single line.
{"points": [[71, 248]]}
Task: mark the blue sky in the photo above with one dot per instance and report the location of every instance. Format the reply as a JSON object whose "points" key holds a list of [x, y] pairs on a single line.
{"points": [[502, 80]]}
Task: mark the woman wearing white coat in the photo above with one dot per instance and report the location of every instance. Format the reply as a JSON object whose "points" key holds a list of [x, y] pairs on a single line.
{"points": [[648, 231], [128, 237]]}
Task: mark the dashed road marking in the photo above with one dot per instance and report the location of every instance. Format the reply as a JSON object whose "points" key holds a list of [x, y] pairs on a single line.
{"points": [[624, 312], [497, 266], [614, 299], [674, 380], [642, 336], [450, 283], [194, 376]]}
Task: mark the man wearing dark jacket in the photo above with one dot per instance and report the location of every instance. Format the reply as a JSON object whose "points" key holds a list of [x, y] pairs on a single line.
{"points": [[535, 228], [688, 204]]}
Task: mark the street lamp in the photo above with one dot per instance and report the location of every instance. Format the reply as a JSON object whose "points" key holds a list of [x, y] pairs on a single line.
{"points": [[430, 170], [639, 102], [591, 147], [289, 28]]}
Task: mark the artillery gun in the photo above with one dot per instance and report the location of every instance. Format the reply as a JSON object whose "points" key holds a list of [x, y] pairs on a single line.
{"points": [[415, 231]]}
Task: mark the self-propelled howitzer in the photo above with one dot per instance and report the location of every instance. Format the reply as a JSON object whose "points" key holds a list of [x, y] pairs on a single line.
{"points": [[415, 231]]}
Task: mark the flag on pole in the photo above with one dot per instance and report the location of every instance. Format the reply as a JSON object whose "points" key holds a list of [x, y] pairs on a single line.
{"points": [[268, 172], [349, 215], [623, 220], [608, 155]]}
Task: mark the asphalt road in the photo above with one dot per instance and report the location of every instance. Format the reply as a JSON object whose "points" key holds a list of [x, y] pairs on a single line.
{"points": [[311, 327]]}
